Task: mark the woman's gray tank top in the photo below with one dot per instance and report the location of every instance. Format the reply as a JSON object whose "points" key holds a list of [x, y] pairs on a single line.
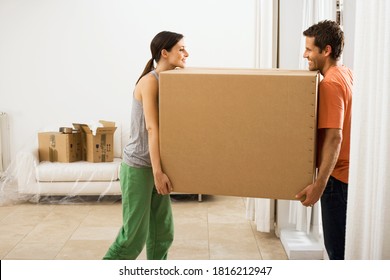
{"points": [[136, 152]]}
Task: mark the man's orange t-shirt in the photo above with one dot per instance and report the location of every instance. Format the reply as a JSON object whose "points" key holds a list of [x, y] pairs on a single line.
{"points": [[335, 102]]}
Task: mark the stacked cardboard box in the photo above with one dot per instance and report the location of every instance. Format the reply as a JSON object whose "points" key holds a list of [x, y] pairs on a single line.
{"points": [[81, 143], [98, 145], [58, 146], [239, 132]]}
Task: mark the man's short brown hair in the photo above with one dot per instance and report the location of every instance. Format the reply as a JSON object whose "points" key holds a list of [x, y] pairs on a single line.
{"points": [[325, 33]]}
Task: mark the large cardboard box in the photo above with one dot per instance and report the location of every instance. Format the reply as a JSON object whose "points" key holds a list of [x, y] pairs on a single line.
{"points": [[61, 147], [239, 132], [98, 143]]}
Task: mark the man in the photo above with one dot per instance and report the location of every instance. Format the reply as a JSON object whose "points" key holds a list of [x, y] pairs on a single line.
{"points": [[324, 45]]}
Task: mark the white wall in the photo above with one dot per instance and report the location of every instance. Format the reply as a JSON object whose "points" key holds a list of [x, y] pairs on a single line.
{"points": [[349, 32], [77, 60], [290, 33]]}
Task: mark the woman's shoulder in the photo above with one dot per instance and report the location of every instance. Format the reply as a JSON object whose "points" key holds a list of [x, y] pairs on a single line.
{"points": [[147, 83], [148, 79]]}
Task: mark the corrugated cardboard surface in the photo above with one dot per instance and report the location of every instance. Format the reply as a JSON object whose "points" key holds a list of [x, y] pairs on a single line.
{"points": [[61, 147], [238, 132], [99, 145]]}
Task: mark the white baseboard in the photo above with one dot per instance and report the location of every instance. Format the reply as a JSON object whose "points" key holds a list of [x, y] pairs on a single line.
{"points": [[301, 246]]}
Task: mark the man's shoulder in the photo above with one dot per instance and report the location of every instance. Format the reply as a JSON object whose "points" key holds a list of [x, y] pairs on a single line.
{"points": [[338, 74]]}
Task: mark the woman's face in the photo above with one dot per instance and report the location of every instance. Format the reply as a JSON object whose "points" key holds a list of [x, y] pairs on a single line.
{"points": [[178, 55]]}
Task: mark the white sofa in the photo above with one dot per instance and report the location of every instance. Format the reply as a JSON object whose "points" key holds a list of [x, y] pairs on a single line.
{"points": [[70, 179]]}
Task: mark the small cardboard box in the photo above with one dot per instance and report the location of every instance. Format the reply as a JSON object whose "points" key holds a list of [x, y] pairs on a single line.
{"points": [[239, 132], [61, 147], [98, 146]]}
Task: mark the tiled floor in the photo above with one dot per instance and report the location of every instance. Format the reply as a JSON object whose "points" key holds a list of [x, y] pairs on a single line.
{"points": [[215, 228]]}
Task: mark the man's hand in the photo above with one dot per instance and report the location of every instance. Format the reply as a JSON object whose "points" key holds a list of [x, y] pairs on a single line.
{"points": [[311, 194], [329, 154]]}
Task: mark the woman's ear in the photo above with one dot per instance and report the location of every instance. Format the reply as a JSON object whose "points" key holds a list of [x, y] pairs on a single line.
{"points": [[164, 53]]}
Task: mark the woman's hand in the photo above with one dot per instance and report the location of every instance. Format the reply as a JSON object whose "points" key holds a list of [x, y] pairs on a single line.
{"points": [[162, 183]]}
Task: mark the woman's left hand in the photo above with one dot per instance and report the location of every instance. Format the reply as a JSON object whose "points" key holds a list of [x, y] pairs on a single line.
{"points": [[162, 183]]}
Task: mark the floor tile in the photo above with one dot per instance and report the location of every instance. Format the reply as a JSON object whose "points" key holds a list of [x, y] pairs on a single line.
{"points": [[25, 216], [14, 231], [271, 247], [6, 246], [95, 233], [189, 249], [232, 241], [98, 219], [51, 232], [191, 229], [5, 211], [34, 251], [215, 228], [84, 250]]}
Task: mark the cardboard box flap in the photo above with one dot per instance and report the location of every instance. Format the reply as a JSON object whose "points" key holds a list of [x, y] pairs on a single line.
{"points": [[98, 140], [77, 126], [107, 123], [108, 127]]}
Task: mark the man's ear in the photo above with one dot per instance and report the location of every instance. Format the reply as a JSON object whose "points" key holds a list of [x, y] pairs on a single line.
{"points": [[328, 50]]}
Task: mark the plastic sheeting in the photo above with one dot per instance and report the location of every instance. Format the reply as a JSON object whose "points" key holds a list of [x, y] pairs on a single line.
{"points": [[24, 181], [77, 182]]}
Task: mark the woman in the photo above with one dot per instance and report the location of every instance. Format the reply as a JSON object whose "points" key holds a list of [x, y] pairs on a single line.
{"points": [[146, 205]]}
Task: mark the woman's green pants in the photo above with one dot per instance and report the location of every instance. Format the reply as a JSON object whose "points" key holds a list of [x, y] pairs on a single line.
{"points": [[147, 218]]}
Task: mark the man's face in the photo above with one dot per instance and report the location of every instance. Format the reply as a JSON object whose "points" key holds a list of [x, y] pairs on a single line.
{"points": [[314, 55]]}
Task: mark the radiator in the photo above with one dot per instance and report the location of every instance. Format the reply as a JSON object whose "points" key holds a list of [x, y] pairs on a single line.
{"points": [[5, 156]]}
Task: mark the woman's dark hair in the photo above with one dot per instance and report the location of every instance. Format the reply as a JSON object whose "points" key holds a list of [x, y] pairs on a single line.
{"points": [[325, 33], [164, 40]]}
